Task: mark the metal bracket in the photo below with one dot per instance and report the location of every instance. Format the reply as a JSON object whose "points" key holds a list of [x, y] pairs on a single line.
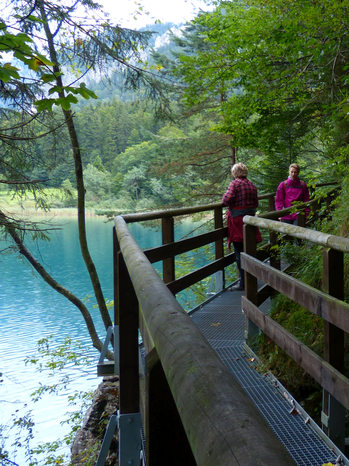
{"points": [[334, 421], [109, 367], [130, 440], [324, 419], [108, 437]]}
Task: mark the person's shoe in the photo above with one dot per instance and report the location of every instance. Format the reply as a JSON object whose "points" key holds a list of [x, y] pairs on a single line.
{"points": [[237, 287]]}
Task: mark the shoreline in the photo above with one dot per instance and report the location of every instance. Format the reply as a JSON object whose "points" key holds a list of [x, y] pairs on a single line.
{"points": [[30, 213], [65, 212]]}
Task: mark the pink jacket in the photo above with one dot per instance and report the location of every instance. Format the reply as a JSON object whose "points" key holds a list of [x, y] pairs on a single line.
{"points": [[289, 192]]}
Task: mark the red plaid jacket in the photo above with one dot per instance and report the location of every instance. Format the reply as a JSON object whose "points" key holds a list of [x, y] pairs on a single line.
{"points": [[241, 194]]}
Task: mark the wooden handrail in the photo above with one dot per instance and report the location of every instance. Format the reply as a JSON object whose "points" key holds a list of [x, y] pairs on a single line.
{"points": [[327, 304], [158, 214], [323, 373], [182, 211], [317, 237], [211, 405], [179, 247]]}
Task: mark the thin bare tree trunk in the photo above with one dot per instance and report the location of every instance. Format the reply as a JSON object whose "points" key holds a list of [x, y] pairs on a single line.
{"points": [[68, 115], [97, 343]]}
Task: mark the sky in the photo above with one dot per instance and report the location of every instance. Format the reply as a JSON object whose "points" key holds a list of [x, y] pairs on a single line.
{"points": [[123, 12]]}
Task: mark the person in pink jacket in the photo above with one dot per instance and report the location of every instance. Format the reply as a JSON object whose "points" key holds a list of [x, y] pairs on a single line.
{"points": [[290, 191]]}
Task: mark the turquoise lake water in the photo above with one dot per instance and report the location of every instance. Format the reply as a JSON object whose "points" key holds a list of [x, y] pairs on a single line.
{"points": [[31, 310]]}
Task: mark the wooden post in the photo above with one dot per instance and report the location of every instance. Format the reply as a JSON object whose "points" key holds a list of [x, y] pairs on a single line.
{"points": [[168, 265], [274, 250], [166, 440], [333, 413], [250, 248], [301, 219], [116, 253], [128, 342], [273, 237], [219, 248], [315, 206], [271, 203]]}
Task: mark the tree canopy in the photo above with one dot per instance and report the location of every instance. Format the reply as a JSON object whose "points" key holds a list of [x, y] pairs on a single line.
{"points": [[277, 74]]}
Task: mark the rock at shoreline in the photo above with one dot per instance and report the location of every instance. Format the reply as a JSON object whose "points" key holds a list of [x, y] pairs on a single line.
{"points": [[88, 440]]}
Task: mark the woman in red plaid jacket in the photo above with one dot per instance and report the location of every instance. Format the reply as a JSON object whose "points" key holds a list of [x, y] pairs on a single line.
{"points": [[241, 199]]}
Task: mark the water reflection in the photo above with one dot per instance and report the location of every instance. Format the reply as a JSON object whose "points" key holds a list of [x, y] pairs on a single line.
{"points": [[31, 310]]}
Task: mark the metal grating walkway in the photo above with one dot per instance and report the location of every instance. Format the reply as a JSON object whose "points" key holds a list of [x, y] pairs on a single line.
{"points": [[222, 322]]}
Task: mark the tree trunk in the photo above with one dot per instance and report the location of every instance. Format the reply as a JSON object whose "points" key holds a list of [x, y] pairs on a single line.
{"points": [[97, 343], [68, 115]]}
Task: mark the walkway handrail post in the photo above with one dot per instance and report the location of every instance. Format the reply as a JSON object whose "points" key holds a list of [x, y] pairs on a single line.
{"points": [[219, 247], [301, 219], [271, 203], [333, 413], [168, 265], [116, 252], [126, 316], [159, 411], [128, 341], [251, 290], [274, 250]]}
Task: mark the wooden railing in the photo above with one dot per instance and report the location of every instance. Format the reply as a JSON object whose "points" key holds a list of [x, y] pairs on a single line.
{"points": [[170, 248], [327, 304], [187, 398], [193, 410]]}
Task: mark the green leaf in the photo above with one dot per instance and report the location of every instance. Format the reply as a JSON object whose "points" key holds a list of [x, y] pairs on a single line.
{"points": [[35, 19], [47, 78], [86, 93], [65, 102], [5, 77], [57, 89], [44, 104], [345, 108], [44, 60], [7, 72]]}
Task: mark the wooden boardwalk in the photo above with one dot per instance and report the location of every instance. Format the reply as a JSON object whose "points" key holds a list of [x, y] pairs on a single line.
{"points": [[222, 322], [173, 346]]}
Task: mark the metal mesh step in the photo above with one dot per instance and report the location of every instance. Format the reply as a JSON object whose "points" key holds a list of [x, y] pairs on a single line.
{"points": [[222, 322]]}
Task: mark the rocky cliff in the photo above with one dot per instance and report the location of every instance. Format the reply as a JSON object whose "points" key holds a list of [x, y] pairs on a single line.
{"points": [[88, 440]]}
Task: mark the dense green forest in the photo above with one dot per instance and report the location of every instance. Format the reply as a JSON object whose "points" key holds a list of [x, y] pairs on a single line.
{"points": [[268, 106], [133, 157], [125, 121]]}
